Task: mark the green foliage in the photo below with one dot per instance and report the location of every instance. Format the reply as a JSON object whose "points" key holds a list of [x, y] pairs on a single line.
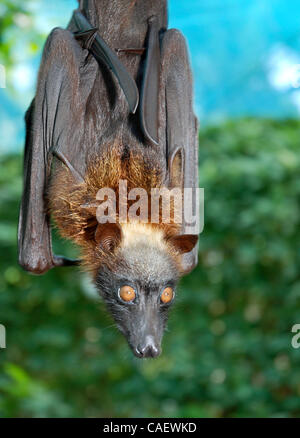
{"points": [[228, 349]]}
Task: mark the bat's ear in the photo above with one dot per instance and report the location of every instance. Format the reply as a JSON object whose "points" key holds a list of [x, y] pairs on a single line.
{"points": [[108, 236], [183, 243], [176, 166]]}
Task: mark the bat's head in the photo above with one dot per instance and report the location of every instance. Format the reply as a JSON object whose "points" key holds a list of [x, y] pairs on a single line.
{"points": [[138, 280]]}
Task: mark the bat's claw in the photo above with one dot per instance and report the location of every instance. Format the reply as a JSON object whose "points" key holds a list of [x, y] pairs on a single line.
{"points": [[132, 50], [87, 37], [60, 261]]}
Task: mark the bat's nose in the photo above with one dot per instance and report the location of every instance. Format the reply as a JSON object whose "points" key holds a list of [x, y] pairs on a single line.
{"points": [[148, 348]]}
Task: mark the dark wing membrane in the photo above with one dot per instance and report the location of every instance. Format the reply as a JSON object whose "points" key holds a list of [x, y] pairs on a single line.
{"points": [[150, 85], [179, 132], [53, 121], [104, 53]]}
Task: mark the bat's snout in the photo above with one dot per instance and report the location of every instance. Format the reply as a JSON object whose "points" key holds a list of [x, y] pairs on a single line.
{"points": [[147, 348]]}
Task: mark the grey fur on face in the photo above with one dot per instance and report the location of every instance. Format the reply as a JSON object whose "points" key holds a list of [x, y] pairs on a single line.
{"points": [[149, 264], [148, 270]]}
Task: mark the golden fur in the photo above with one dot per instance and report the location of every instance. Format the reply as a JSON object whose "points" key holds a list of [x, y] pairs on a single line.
{"points": [[73, 205]]}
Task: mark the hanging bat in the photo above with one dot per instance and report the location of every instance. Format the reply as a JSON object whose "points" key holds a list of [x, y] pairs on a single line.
{"points": [[113, 103]]}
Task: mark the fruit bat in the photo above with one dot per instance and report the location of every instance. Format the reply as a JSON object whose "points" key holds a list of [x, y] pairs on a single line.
{"points": [[114, 102]]}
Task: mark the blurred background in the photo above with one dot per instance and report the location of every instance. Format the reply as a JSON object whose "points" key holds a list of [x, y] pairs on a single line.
{"points": [[227, 352]]}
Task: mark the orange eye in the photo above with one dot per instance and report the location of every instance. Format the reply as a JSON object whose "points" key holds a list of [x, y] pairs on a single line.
{"points": [[127, 293], [167, 295]]}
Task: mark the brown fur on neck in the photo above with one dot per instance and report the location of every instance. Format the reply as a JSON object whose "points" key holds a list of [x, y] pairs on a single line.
{"points": [[67, 197]]}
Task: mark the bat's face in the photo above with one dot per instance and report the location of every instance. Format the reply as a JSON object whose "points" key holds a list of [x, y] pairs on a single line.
{"points": [[137, 280], [139, 295]]}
